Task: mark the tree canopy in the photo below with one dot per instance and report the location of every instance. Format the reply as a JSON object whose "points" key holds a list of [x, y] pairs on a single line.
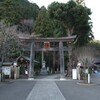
{"points": [[13, 11], [74, 18], [59, 19], [43, 23], [9, 45]]}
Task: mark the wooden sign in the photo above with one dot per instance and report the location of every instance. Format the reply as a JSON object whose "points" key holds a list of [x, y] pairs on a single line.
{"points": [[46, 45]]}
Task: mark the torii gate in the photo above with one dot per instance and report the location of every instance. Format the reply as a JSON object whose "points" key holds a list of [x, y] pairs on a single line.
{"points": [[34, 40]]}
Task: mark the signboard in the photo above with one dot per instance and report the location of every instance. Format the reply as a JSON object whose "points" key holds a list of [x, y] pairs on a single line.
{"points": [[46, 45], [74, 74], [6, 70]]}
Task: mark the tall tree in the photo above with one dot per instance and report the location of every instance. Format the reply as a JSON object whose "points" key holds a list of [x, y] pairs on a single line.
{"points": [[9, 45], [43, 25], [75, 19]]}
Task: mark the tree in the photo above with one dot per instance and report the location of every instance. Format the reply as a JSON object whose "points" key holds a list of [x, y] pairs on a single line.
{"points": [[86, 55], [75, 20], [14, 11], [9, 45], [26, 26], [95, 44], [43, 25], [83, 53]]}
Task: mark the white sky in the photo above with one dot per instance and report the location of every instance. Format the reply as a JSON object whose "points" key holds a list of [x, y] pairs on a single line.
{"points": [[94, 5]]}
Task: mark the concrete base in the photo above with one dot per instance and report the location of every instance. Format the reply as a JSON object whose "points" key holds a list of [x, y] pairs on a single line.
{"points": [[62, 79], [30, 79], [82, 83]]}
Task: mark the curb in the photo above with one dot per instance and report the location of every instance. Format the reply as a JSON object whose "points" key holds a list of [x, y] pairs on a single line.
{"points": [[87, 84]]}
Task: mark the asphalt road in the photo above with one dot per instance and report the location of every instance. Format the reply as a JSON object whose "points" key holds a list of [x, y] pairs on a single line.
{"points": [[15, 90], [21, 89], [73, 91]]}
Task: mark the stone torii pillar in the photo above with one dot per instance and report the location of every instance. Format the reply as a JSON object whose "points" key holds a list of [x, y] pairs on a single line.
{"points": [[61, 53], [31, 66]]}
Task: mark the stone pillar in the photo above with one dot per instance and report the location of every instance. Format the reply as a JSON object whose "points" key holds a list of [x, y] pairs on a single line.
{"points": [[31, 66], [61, 53]]}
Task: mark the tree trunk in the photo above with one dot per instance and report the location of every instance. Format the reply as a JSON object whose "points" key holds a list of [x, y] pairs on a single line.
{"points": [[69, 71]]}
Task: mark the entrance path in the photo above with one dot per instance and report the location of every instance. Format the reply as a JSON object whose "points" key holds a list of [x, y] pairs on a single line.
{"points": [[45, 90]]}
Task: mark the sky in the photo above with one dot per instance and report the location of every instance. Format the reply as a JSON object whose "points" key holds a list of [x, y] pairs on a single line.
{"points": [[94, 5]]}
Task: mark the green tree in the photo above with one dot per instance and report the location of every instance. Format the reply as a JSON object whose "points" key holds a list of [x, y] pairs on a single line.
{"points": [[43, 23], [74, 18], [14, 11]]}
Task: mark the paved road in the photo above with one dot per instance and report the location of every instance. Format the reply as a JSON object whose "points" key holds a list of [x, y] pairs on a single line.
{"points": [[15, 90], [48, 89], [73, 91], [45, 90]]}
